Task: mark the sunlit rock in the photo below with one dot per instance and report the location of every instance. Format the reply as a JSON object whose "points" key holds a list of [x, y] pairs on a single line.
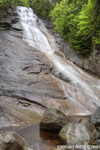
{"points": [[77, 133], [53, 119]]}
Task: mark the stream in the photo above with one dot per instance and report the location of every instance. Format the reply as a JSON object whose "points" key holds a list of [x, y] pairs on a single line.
{"points": [[30, 85], [80, 88]]}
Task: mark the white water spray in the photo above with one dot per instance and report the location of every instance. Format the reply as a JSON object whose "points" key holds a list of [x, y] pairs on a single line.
{"points": [[82, 91], [33, 27]]}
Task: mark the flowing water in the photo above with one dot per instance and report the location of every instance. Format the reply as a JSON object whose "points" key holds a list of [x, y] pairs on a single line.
{"points": [[82, 91]]}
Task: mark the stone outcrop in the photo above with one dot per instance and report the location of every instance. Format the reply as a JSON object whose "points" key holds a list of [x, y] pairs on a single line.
{"points": [[77, 133], [53, 119], [95, 118], [91, 63], [27, 87], [25, 75], [91, 127], [12, 141], [26, 84]]}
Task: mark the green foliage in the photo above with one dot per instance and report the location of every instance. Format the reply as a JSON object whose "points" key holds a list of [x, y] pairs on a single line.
{"points": [[75, 20], [78, 21], [97, 38], [7, 3], [42, 8]]}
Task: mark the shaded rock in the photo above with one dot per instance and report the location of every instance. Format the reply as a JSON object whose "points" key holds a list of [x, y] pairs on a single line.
{"points": [[61, 76], [8, 17], [91, 127], [97, 142], [77, 133], [53, 119], [5, 20], [95, 118], [72, 55], [12, 141], [6, 23], [15, 19], [91, 63], [46, 23]]}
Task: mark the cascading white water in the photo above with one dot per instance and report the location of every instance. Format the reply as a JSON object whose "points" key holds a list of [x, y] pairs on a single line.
{"points": [[82, 91], [33, 28]]}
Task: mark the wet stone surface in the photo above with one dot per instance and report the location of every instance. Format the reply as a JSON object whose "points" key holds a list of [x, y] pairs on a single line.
{"points": [[25, 81], [36, 138], [28, 87]]}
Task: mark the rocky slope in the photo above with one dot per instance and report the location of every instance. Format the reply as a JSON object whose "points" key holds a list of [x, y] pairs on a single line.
{"points": [[91, 63], [26, 86]]}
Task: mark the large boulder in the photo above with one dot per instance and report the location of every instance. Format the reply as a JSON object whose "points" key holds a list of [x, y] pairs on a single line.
{"points": [[77, 133], [95, 118], [12, 141], [53, 119]]}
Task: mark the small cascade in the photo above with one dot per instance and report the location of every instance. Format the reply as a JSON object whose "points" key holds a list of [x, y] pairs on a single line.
{"points": [[32, 30], [82, 91]]}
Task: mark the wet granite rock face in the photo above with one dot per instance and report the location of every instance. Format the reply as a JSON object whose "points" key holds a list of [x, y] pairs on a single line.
{"points": [[95, 118], [98, 142], [91, 64], [26, 83], [9, 19], [53, 119], [91, 127], [25, 70], [77, 133], [12, 141], [6, 17]]}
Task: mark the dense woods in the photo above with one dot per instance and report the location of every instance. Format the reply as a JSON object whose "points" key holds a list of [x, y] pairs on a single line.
{"points": [[7, 3], [76, 21]]}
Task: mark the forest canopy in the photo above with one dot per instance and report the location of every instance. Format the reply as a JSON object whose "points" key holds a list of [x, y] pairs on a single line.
{"points": [[7, 3], [77, 21]]}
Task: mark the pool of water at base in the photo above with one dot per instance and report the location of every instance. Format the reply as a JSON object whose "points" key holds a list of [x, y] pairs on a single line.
{"points": [[39, 139]]}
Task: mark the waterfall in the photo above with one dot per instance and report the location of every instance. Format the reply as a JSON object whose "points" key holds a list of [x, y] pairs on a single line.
{"points": [[82, 91], [33, 28]]}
